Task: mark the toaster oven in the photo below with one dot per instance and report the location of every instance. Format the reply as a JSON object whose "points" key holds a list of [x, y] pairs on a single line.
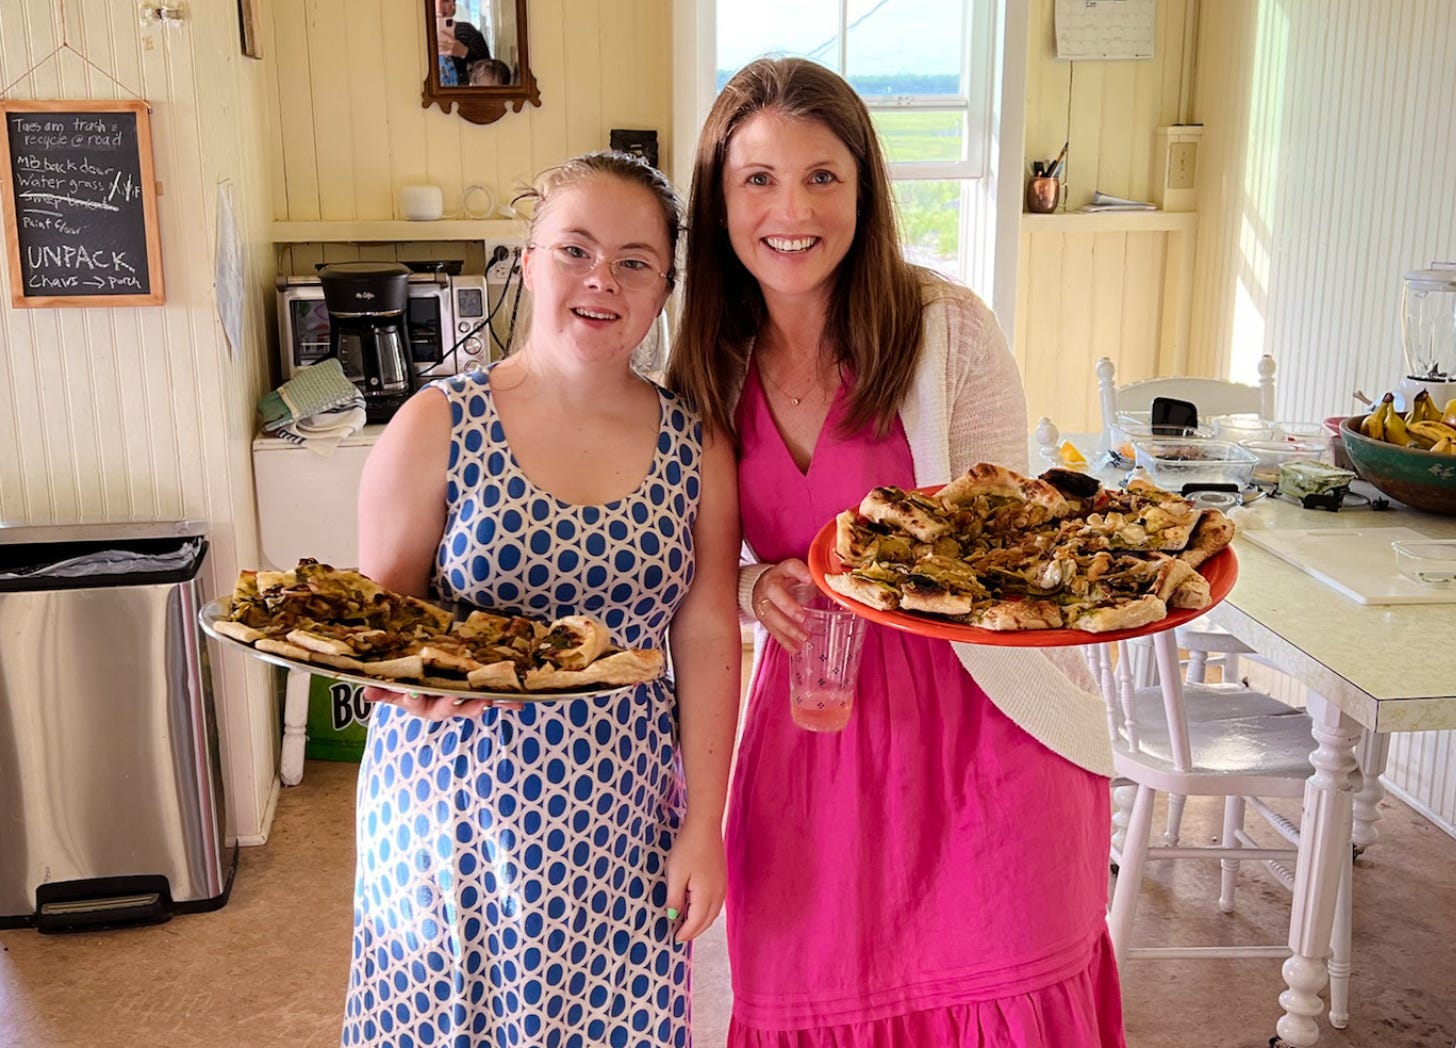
{"points": [[445, 320]]}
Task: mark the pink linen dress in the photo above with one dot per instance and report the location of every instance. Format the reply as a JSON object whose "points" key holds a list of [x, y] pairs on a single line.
{"points": [[930, 875]]}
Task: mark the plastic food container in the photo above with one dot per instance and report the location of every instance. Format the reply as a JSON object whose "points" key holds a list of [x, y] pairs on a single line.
{"points": [[1131, 426], [1308, 431], [1173, 463], [1427, 560], [1272, 454], [1242, 427]]}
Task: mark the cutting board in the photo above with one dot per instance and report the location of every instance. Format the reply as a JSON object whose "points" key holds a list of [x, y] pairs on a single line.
{"points": [[1358, 563]]}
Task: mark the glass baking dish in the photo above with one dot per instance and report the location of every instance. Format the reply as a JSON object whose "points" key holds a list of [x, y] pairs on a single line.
{"points": [[1243, 426], [1130, 426], [1172, 463], [1274, 453], [1426, 560]]}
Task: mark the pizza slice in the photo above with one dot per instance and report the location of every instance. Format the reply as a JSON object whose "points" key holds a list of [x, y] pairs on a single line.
{"points": [[338, 639], [573, 642], [999, 483], [443, 653], [618, 668], [274, 646], [1213, 532], [497, 676], [247, 605], [917, 514], [1125, 614], [1010, 615], [923, 593], [983, 478], [406, 667], [1193, 593], [239, 631], [858, 540], [866, 588]]}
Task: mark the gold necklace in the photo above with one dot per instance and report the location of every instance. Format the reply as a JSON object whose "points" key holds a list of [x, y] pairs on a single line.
{"points": [[795, 401]]}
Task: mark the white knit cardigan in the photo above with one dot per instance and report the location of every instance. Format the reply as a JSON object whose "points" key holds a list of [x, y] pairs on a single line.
{"points": [[966, 405]]}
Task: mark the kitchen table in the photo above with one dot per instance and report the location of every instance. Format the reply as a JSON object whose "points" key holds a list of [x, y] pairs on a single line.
{"points": [[1381, 667]]}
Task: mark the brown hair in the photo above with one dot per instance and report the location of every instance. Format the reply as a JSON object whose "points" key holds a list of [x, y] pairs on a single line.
{"points": [[875, 317], [628, 168]]}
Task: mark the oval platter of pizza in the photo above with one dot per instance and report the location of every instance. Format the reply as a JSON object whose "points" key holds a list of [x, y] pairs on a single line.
{"points": [[343, 625], [998, 558]]}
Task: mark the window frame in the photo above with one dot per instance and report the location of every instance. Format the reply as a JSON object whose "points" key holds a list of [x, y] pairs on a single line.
{"points": [[991, 185]]}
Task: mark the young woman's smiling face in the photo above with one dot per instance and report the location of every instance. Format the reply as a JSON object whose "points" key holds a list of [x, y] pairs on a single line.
{"points": [[598, 221], [790, 190]]}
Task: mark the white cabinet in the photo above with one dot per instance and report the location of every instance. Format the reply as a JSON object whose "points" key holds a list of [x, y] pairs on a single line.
{"points": [[308, 503]]}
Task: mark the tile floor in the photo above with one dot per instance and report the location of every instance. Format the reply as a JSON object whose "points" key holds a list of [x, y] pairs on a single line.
{"points": [[269, 968]]}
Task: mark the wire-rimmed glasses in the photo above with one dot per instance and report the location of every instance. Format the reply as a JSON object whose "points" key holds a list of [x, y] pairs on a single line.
{"points": [[637, 274]]}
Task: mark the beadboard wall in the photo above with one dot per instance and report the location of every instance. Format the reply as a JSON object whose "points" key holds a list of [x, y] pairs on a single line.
{"points": [[1105, 285], [1328, 167], [144, 413], [345, 85], [1330, 151]]}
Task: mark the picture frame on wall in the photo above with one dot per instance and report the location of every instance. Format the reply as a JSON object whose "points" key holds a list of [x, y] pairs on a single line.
{"points": [[250, 26]]}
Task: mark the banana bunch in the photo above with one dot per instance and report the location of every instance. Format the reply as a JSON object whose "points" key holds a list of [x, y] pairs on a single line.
{"points": [[1424, 427]]}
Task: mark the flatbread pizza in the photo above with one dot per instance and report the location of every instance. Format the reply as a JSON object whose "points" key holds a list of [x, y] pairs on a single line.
{"points": [[342, 620], [1005, 552]]}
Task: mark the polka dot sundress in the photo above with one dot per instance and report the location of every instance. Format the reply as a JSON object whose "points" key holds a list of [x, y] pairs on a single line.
{"points": [[511, 884]]}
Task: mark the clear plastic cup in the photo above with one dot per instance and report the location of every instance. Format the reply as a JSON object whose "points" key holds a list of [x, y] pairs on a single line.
{"points": [[824, 672]]}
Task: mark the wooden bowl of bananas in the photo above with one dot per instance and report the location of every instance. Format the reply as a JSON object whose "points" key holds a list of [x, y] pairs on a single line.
{"points": [[1409, 456]]}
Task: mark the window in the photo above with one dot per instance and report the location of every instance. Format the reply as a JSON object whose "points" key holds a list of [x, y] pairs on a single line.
{"points": [[925, 71]]}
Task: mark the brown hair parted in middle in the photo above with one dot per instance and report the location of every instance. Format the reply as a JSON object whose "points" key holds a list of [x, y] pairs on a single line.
{"points": [[875, 315]]}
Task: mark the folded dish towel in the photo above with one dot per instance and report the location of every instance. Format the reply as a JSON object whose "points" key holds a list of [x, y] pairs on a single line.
{"points": [[317, 408]]}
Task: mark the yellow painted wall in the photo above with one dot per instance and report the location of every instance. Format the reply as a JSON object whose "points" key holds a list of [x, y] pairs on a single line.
{"points": [[346, 81], [1105, 111], [144, 413], [1113, 287]]}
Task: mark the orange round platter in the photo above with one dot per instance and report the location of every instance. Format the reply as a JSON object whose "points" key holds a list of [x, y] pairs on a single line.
{"points": [[1221, 570]]}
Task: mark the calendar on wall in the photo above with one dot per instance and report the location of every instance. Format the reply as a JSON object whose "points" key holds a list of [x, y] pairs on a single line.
{"points": [[1106, 30]]}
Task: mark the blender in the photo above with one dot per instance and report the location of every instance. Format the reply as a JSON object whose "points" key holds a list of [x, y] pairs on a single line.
{"points": [[1428, 334]]}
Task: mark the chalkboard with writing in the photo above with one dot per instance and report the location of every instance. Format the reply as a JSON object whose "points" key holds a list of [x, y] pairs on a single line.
{"points": [[80, 204]]}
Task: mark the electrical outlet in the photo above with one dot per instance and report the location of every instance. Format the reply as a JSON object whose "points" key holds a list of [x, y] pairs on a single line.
{"points": [[500, 256], [1182, 164]]}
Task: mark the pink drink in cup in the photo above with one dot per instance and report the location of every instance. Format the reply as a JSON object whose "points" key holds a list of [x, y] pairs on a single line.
{"points": [[823, 673]]}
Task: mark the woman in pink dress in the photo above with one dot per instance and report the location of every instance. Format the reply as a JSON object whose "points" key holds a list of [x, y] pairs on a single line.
{"points": [[936, 872]]}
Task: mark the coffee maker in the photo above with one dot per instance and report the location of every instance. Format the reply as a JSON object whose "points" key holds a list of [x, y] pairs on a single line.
{"points": [[366, 303]]}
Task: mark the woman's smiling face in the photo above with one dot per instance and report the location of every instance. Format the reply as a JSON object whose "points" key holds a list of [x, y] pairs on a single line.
{"points": [[790, 188], [605, 219]]}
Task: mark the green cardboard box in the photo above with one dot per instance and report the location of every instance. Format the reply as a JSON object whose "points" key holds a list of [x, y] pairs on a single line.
{"points": [[338, 720]]}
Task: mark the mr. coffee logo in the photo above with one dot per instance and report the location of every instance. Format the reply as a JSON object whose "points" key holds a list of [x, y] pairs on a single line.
{"points": [[347, 705]]}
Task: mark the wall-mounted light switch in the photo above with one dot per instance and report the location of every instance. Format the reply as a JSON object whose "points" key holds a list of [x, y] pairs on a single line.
{"points": [[1175, 167], [1182, 163]]}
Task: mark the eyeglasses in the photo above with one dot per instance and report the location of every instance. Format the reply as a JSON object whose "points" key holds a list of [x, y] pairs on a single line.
{"points": [[635, 273]]}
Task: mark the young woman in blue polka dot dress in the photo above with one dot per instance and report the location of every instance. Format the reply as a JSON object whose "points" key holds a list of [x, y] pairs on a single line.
{"points": [[532, 873]]}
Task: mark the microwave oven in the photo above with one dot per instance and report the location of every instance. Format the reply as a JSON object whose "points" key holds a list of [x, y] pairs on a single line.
{"points": [[445, 318]]}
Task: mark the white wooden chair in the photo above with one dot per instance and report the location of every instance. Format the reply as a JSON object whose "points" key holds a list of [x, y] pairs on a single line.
{"points": [[1216, 740], [1213, 396]]}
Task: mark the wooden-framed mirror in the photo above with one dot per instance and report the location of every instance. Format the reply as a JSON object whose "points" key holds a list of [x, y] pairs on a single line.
{"points": [[476, 58]]}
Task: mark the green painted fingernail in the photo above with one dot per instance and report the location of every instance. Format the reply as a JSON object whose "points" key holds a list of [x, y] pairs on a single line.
{"points": [[672, 913]]}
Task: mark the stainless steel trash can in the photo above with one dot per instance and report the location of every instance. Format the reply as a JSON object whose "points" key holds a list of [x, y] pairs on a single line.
{"points": [[111, 805]]}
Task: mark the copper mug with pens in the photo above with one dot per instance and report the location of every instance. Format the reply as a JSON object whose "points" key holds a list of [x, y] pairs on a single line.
{"points": [[1044, 194]]}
